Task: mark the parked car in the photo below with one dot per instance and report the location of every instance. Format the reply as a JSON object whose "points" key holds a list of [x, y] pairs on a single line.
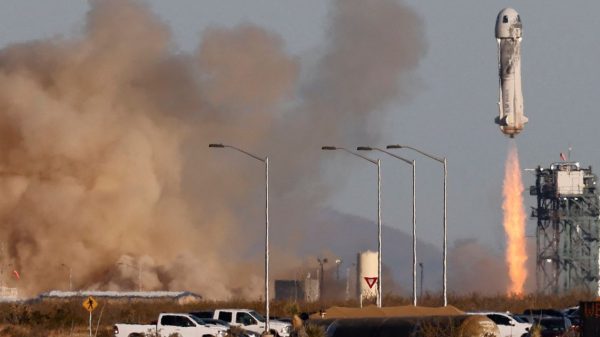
{"points": [[216, 322], [543, 312], [508, 325], [522, 318], [552, 326], [169, 324], [574, 315], [204, 314], [239, 332], [570, 311], [250, 320]]}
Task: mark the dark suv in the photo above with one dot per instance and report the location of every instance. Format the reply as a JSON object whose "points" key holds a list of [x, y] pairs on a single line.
{"points": [[552, 326]]}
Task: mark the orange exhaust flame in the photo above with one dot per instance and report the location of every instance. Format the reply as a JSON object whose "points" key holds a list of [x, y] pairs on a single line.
{"points": [[514, 223]]}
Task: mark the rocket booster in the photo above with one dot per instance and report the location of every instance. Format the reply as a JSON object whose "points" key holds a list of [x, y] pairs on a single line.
{"points": [[509, 36]]}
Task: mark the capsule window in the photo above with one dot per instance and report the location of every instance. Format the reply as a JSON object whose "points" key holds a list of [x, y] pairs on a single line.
{"points": [[518, 18], [505, 19]]}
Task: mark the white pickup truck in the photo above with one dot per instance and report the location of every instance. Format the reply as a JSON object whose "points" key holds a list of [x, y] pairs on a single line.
{"points": [[252, 321], [172, 324]]}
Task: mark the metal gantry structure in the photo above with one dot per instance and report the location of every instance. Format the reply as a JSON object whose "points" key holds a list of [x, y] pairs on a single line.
{"points": [[568, 228]]}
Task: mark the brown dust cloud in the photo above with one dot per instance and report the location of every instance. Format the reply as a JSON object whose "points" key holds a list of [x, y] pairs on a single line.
{"points": [[104, 165]]}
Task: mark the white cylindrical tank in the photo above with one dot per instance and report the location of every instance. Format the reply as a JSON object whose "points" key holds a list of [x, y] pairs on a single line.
{"points": [[366, 274]]}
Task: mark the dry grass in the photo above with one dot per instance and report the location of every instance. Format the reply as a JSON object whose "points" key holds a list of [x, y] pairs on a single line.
{"points": [[70, 319]]}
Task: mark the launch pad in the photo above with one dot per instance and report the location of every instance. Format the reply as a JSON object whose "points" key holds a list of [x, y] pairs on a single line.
{"points": [[568, 229]]}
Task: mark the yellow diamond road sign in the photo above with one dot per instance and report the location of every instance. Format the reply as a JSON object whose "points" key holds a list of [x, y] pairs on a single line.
{"points": [[90, 304]]}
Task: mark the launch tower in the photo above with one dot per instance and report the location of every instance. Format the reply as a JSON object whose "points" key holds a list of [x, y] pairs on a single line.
{"points": [[568, 228]]}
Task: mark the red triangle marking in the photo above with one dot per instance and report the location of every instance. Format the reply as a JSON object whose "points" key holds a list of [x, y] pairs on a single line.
{"points": [[371, 281]]}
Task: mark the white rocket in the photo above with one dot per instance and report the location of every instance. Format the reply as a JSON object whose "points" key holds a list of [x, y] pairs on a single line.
{"points": [[509, 36]]}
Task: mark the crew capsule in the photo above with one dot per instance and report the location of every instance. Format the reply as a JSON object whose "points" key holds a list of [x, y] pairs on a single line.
{"points": [[509, 30]]}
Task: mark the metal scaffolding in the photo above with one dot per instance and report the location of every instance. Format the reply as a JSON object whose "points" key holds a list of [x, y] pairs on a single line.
{"points": [[568, 228]]}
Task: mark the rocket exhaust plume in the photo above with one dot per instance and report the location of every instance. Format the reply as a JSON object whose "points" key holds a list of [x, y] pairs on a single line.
{"points": [[514, 222]]}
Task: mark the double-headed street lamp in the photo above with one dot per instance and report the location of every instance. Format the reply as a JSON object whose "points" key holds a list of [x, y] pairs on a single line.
{"points": [[414, 210], [445, 249], [266, 161], [378, 163]]}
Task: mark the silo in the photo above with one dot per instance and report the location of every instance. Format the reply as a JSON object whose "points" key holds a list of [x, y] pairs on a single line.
{"points": [[366, 274]]}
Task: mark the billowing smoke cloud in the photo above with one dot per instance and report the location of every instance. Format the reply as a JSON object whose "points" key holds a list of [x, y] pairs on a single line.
{"points": [[474, 268], [104, 167], [477, 268]]}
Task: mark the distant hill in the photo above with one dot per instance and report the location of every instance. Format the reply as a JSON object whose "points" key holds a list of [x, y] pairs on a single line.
{"points": [[472, 267], [344, 235]]}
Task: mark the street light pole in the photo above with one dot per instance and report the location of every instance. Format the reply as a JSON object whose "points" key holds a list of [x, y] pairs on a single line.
{"points": [[445, 234], [379, 257], [414, 213], [379, 250], [265, 160], [267, 319], [444, 162]]}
